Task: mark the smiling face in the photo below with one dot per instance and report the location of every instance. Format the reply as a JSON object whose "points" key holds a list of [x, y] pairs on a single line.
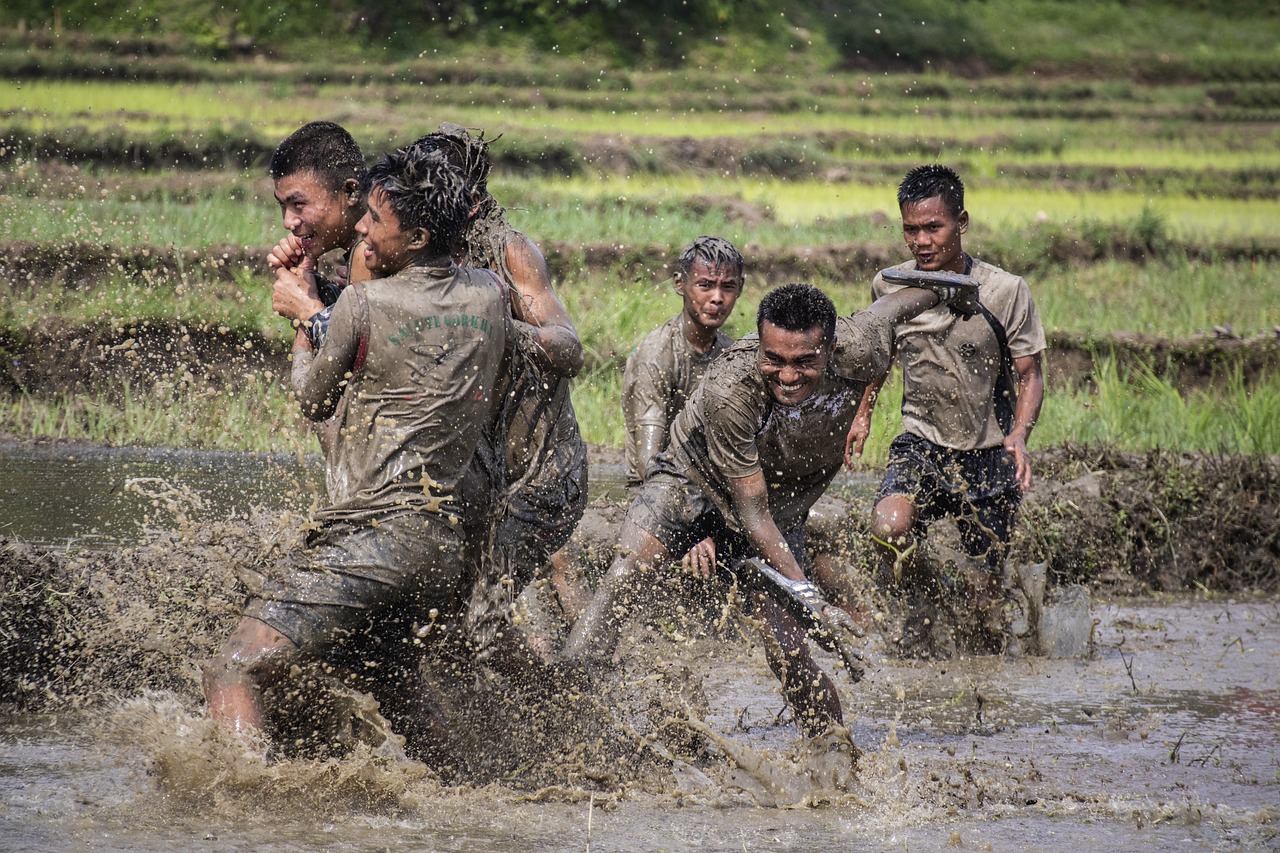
{"points": [[933, 234], [709, 292], [793, 363], [321, 217], [388, 247]]}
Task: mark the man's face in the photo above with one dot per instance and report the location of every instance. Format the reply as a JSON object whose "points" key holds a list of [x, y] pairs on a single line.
{"points": [[709, 292], [388, 248], [321, 217], [793, 363], [933, 234]]}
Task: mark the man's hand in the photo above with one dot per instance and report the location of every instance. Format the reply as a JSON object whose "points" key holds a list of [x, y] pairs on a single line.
{"points": [[701, 559], [1016, 447], [857, 437], [294, 294], [287, 254], [861, 426]]}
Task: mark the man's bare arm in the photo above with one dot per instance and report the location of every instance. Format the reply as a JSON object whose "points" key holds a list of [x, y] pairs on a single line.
{"points": [[750, 497], [861, 427], [535, 302], [1030, 397]]}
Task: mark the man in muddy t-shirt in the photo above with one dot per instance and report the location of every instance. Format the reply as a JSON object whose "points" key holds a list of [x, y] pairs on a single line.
{"points": [[972, 390], [669, 362], [534, 458], [415, 356], [755, 447]]}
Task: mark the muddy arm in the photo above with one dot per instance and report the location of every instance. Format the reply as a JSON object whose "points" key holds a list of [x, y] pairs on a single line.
{"points": [[533, 301], [750, 497]]}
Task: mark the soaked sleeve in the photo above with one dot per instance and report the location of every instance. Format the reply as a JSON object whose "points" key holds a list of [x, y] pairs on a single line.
{"points": [[1022, 323], [863, 346], [320, 381], [646, 388], [733, 415]]}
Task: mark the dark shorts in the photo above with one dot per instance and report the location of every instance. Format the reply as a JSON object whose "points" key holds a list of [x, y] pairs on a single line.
{"points": [[677, 514], [542, 515], [978, 488], [347, 576]]}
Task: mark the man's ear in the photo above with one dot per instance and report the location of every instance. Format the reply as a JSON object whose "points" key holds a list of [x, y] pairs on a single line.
{"points": [[419, 238], [476, 200], [963, 219], [351, 187], [677, 282]]}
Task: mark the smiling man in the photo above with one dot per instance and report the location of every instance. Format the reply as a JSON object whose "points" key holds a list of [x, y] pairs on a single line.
{"points": [[317, 172], [972, 390], [756, 445], [414, 357]]}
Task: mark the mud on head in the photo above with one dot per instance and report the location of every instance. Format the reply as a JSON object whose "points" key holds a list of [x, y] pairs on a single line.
{"points": [[798, 308], [712, 251], [468, 153], [425, 191], [933, 181], [322, 148]]}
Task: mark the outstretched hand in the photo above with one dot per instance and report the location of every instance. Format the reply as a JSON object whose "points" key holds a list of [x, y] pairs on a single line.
{"points": [[856, 439]]}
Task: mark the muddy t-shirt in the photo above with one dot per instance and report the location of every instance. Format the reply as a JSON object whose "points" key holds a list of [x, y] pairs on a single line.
{"points": [[732, 427], [661, 374], [950, 364], [418, 376]]}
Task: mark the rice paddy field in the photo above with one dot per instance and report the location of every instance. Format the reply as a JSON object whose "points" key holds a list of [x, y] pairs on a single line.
{"points": [[135, 212]]}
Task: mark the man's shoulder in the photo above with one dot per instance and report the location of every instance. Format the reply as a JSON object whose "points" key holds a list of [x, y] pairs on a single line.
{"points": [[989, 274], [736, 372], [658, 342]]}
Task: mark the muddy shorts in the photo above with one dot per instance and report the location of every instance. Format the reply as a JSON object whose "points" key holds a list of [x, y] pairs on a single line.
{"points": [[348, 575], [679, 515], [542, 516], [978, 488]]}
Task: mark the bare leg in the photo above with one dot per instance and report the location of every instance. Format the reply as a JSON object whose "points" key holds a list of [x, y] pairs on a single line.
{"points": [[810, 691], [571, 588], [595, 633], [233, 680], [893, 522]]}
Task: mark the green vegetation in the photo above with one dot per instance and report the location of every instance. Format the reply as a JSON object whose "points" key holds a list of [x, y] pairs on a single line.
{"points": [[1121, 156]]}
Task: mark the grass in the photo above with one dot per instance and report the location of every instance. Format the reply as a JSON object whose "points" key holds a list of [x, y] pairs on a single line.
{"points": [[257, 416]]}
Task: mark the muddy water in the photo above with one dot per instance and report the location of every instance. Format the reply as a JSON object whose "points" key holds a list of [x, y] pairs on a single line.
{"points": [[1168, 737]]}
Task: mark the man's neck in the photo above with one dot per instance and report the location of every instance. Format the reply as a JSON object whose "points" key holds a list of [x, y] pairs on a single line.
{"points": [[697, 335]]}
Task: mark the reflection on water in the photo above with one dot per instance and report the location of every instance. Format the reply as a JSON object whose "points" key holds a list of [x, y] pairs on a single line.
{"points": [[60, 493]]}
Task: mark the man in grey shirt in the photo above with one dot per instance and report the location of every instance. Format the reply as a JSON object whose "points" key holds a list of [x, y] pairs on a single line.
{"points": [[972, 390]]}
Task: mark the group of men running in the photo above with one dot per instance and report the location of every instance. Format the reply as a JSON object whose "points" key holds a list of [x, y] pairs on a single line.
{"points": [[435, 363]]}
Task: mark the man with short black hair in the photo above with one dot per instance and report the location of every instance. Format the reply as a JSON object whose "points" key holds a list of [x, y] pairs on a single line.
{"points": [[414, 357], [754, 448], [972, 391]]}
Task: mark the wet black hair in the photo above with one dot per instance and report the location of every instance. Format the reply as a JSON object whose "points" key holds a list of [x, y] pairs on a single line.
{"points": [[714, 252], [323, 148], [466, 152], [424, 190], [798, 308], [926, 182]]}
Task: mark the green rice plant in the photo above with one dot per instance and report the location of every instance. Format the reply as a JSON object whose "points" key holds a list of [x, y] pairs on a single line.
{"points": [[257, 416], [1141, 412]]}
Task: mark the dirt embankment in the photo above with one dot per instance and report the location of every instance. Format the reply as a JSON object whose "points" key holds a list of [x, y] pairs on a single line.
{"points": [[55, 355]]}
